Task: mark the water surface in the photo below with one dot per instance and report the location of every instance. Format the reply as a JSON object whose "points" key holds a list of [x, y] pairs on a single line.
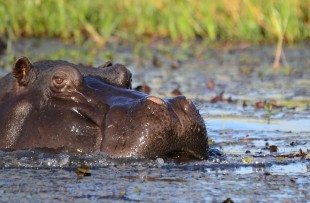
{"points": [[246, 172]]}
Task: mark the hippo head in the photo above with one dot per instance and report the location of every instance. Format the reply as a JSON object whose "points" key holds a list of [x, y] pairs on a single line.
{"points": [[64, 106]]}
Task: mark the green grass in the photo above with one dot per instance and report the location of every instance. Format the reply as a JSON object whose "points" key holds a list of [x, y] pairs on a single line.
{"points": [[78, 20]]}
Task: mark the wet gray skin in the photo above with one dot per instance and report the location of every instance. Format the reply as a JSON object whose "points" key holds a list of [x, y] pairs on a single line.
{"points": [[63, 106]]}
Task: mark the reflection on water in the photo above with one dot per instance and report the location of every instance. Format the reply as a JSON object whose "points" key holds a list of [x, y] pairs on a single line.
{"points": [[277, 169], [237, 123]]}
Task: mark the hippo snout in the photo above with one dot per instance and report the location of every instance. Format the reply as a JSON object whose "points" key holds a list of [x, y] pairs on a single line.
{"points": [[162, 126]]}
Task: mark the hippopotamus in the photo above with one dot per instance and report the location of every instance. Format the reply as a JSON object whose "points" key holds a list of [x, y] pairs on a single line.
{"points": [[58, 105]]}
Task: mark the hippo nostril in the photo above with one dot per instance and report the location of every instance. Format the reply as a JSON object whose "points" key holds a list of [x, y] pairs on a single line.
{"points": [[186, 107], [156, 100]]}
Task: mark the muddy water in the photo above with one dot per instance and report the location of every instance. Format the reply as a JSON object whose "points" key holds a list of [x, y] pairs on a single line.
{"points": [[247, 171]]}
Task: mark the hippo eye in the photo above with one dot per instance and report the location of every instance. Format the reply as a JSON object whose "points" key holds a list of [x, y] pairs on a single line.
{"points": [[58, 80]]}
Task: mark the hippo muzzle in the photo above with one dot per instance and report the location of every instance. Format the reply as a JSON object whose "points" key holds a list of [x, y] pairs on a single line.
{"points": [[59, 105], [162, 127]]}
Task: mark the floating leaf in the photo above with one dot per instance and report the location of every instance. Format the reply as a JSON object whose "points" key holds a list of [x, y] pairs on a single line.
{"points": [[122, 192], [136, 189], [176, 92], [307, 156], [211, 142], [83, 171], [281, 158], [246, 70], [248, 159], [273, 148]]}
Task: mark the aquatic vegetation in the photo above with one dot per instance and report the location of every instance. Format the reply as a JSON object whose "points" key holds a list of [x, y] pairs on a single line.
{"points": [[248, 159], [78, 20], [268, 109], [83, 171]]}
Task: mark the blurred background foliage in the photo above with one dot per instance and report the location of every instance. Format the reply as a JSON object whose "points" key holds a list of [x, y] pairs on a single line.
{"points": [[256, 21]]}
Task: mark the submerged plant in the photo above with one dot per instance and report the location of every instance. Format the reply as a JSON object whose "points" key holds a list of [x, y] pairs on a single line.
{"points": [[268, 109]]}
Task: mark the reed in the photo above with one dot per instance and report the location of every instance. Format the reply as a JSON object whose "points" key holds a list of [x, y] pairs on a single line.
{"points": [[78, 20]]}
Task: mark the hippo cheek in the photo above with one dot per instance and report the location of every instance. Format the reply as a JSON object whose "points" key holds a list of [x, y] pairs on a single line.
{"points": [[152, 128], [56, 126], [86, 127]]}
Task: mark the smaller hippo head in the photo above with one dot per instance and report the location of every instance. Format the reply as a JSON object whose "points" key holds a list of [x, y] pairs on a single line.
{"points": [[64, 106]]}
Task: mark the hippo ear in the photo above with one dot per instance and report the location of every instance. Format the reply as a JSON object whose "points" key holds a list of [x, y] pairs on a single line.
{"points": [[106, 64], [21, 70]]}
